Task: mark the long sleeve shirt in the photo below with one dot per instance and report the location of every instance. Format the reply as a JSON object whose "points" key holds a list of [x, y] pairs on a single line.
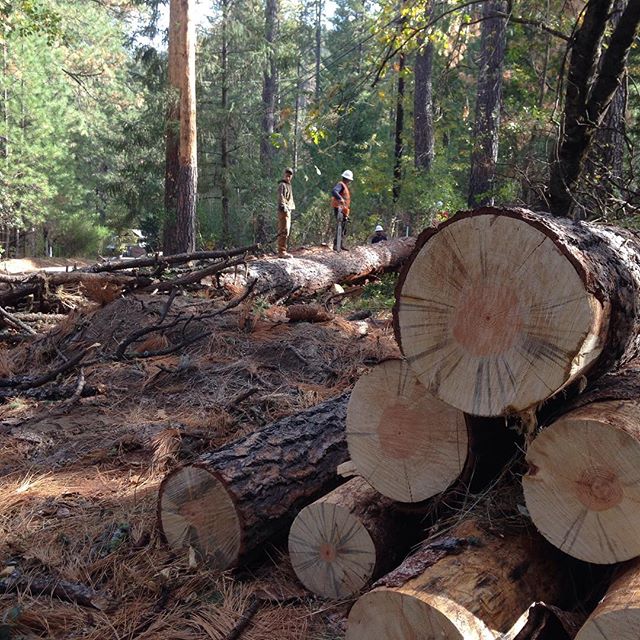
{"points": [[285, 196]]}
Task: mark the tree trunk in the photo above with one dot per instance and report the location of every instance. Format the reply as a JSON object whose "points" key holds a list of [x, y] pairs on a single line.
{"points": [[399, 143], [499, 309], [484, 156], [269, 87], [318, 47], [582, 488], [468, 585], [343, 540], [318, 269], [617, 617], [181, 169], [589, 94], [423, 102], [224, 134], [233, 499], [408, 445]]}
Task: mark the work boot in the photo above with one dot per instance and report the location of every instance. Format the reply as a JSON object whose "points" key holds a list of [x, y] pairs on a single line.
{"points": [[284, 254]]}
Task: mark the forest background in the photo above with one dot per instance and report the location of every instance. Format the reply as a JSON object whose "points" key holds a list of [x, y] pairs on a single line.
{"points": [[435, 106]]}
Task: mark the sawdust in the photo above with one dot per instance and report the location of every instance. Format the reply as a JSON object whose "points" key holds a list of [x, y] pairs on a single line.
{"points": [[79, 482]]}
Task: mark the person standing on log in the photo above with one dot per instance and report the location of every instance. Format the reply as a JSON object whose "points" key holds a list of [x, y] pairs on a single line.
{"points": [[285, 206], [341, 203]]}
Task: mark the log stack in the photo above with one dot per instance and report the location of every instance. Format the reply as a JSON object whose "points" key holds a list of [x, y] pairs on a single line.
{"points": [[505, 318]]}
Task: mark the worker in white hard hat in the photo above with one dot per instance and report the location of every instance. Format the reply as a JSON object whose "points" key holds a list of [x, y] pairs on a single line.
{"points": [[341, 203], [380, 235]]}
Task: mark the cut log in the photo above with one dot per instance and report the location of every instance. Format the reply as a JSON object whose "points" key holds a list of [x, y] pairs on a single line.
{"points": [[311, 271], [235, 498], [345, 539], [469, 585], [407, 444], [498, 309], [617, 616], [583, 485]]}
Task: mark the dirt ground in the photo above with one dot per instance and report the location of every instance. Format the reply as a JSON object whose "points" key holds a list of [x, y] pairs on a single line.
{"points": [[26, 265], [79, 477]]}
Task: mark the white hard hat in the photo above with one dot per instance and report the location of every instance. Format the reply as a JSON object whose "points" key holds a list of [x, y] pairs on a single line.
{"points": [[347, 175], [379, 227]]}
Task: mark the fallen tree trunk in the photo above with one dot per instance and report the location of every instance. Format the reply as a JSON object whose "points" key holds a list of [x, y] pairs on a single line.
{"points": [[235, 498], [499, 309], [617, 616], [468, 585], [311, 271], [583, 488], [346, 538]]}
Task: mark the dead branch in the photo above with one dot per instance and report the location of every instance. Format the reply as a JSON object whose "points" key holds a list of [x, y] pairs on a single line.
{"points": [[245, 619], [16, 322], [195, 276], [61, 589], [158, 260], [27, 382]]}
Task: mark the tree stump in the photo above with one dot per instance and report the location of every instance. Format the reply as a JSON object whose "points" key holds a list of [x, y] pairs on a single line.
{"points": [[498, 309], [343, 540], [583, 485], [469, 585], [233, 499], [617, 616], [405, 443]]}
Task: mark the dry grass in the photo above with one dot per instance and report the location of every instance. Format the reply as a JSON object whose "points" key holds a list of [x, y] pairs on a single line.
{"points": [[78, 495]]}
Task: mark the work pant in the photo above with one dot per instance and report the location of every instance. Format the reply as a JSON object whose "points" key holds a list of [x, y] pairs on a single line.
{"points": [[344, 228], [284, 229]]}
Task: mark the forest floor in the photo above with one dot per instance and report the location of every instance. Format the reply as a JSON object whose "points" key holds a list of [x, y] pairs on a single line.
{"points": [[79, 477]]}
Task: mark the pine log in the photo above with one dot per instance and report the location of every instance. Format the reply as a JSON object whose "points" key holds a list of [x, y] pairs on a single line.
{"points": [[617, 616], [499, 309], [314, 270], [583, 486], [469, 585], [346, 538], [407, 444], [235, 498]]}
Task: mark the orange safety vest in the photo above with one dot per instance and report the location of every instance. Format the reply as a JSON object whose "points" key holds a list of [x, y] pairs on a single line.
{"points": [[346, 196]]}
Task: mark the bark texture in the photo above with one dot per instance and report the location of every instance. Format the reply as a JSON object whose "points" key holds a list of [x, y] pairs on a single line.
{"points": [[488, 102], [423, 102], [269, 476], [315, 270], [471, 584], [269, 85]]}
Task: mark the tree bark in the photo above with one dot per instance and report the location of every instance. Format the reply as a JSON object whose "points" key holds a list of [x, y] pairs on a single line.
{"points": [[233, 499], [588, 94], [484, 155], [181, 168], [224, 133], [345, 539], [423, 102], [471, 584], [528, 304], [582, 488], [617, 616], [315, 270], [399, 142], [269, 86], [318, 47]]}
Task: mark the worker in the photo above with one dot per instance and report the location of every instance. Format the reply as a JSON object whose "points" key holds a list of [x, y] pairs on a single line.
{"points": [[285, 206], [341, 202], [379, 236]]}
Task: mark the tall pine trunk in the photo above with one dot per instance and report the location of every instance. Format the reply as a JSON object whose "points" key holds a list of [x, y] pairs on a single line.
{"points": [[318, 49], [224, 134], [181, 168], [484, 155], [269, 87], [399, 141], [592, 80], [423, 102]]}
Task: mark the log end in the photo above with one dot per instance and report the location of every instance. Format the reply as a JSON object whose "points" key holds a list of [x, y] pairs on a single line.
{"points": [[404, 442], [385, 614], [331, 551], [195, 510], [494, 316], [583, 487]]}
